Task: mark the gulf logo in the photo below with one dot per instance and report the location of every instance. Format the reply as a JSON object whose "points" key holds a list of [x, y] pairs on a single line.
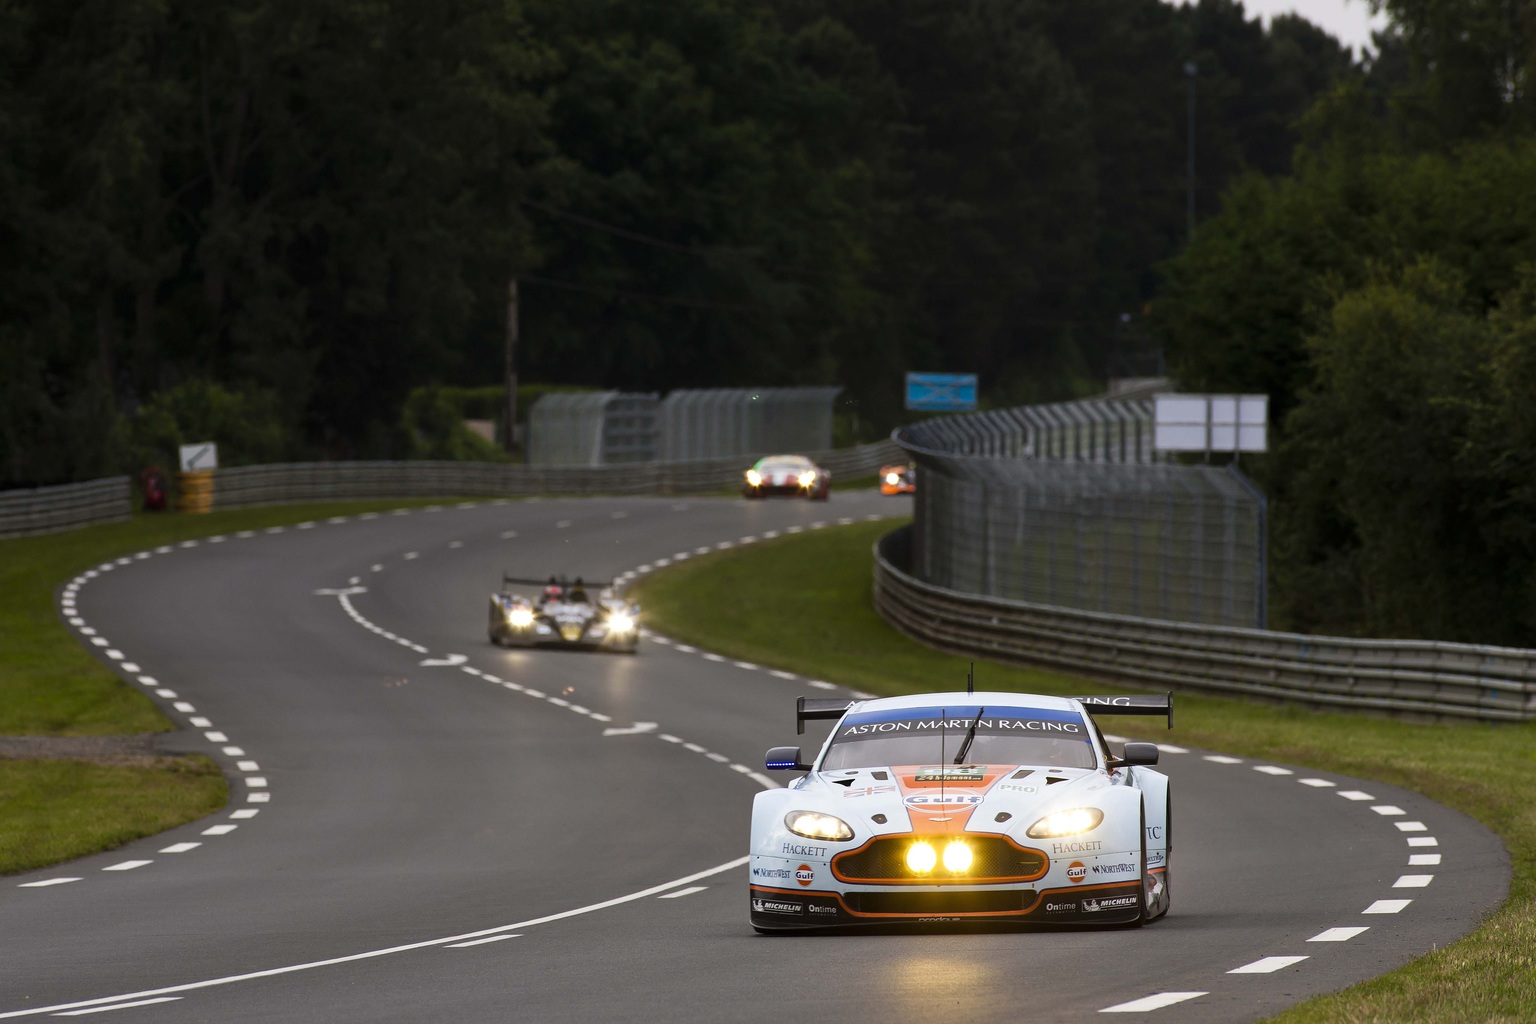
{"points": [[935, 800], [804, 875], [1076, 872]]}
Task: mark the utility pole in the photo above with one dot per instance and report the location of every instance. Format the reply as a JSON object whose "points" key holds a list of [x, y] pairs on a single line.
{"points": [[512, 366], [1191, 71]]}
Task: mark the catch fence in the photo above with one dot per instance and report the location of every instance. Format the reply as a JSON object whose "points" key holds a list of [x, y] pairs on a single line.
{"points": [[1064, 505]]}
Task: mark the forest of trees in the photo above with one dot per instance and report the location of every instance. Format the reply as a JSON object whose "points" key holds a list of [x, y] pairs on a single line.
{"points": [[270, 221], [1384, 296]]}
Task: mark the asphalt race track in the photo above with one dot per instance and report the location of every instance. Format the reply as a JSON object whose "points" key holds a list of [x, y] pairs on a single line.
{"points": [[423, 827]]}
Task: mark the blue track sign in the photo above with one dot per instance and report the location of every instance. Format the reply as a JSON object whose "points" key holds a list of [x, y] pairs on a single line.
{"points": [[941, 392]]}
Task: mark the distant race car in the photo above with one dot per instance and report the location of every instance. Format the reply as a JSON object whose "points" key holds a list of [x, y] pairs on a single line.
{"points": [[565, 614], [898, 479], [952, 807], [793, 475]]}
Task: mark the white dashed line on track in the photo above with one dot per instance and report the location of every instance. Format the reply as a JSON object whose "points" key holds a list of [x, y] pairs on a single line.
{"points": [[119, 1006], [1269, 965], [46, 883], [1150, 1003], [1338, 934], [678, 893], [127, 865], [1386, 907]]}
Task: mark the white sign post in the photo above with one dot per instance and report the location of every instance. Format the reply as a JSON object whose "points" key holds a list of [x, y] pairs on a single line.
{"points": [[1212, 423], [199, 456]]}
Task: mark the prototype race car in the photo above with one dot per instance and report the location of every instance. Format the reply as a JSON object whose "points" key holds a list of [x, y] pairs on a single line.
{"points": [[898, 479], [793, 475], [563, 615], [954, 807]]}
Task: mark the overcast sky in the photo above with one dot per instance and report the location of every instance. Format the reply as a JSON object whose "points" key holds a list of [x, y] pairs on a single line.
{"points": [[1348, 20]]}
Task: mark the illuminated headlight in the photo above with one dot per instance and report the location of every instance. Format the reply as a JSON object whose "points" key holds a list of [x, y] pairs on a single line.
{"points": [[921, 858], [621, 622], [754, 478], [522, 618], [957, 858], [893, 479], [815, 825], [1066, 823], [807, 478]]}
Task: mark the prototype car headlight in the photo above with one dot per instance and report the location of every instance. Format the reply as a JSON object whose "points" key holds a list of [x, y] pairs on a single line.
{"points": [[807, 478], [754, 478], [921, 858], [893, 479], [1066, 823], [621, 622], [957, 858], [815, 825], [520, 617]]}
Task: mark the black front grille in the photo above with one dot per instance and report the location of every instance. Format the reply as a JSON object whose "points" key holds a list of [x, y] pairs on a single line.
{"points": [[997, 901], [994, 859]]}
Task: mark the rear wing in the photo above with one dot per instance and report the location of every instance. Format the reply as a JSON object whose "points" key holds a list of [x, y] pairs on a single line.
{"points": [[1130, 704], [559, 581], [808, 709]]}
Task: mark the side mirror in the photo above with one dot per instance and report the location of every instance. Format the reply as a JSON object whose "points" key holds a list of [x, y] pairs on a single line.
{"points": [[1136, 753], [785, 759]]}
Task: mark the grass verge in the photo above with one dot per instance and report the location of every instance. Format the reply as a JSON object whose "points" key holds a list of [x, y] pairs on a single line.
{"points": [[56, 810], [50, 686], [802, 603]]}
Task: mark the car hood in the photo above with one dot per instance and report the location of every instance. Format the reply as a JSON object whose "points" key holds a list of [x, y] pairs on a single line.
{"points": [[956, 797]]}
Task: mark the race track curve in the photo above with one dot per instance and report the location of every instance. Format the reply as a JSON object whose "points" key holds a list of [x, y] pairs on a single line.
{"points": [[424, 827]]}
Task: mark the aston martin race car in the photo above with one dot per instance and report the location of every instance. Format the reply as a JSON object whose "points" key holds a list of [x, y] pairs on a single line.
{"points": [[565, 614], [793, 475], [898, 479], [963, 807]]}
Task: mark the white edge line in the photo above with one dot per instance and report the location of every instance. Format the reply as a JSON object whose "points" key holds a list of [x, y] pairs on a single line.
{"points": [[277, 971]]}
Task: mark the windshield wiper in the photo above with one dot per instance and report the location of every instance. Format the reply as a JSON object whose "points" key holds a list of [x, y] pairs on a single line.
{"points": [[970, 734]]}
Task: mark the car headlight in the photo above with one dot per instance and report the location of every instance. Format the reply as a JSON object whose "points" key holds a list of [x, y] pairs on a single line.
{"points": [[815, 825], [522, 618], [807, 478], [957, 857], [621, 622], [1066, 823], [893, 479], [754, 478], [921, 858]]}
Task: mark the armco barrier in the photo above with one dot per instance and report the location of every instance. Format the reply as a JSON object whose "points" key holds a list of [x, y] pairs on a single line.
{"points": [[50, 509], [1399, 676], [334, 481]]}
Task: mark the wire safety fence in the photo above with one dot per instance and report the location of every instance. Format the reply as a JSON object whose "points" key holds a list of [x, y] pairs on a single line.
{"points": [[1103, 528]]}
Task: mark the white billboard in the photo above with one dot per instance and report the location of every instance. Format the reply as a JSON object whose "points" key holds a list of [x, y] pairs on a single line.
{"points": [[1212, 423]]}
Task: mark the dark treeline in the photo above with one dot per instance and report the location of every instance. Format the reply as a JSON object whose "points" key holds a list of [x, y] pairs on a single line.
{"points": [[266, 222], [1384, 295]]}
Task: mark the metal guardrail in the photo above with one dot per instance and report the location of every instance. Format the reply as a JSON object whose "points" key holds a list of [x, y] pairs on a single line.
{"points": [[1400, 676], [335, 481], [51, 509]]}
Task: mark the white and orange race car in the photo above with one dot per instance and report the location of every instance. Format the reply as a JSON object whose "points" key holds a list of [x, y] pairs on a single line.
{"points": [[898, 479], [957, 807]]}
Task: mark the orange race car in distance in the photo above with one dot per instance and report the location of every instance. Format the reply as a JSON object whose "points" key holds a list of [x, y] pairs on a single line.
{"points": [[898, 479]]}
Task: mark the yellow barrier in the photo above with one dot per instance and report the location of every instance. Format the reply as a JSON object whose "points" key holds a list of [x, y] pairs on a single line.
{"points": [[196, 491]]}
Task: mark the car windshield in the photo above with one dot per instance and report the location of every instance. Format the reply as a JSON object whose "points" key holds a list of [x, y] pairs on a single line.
{"points": [[783, 465], [1004, 735]]}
